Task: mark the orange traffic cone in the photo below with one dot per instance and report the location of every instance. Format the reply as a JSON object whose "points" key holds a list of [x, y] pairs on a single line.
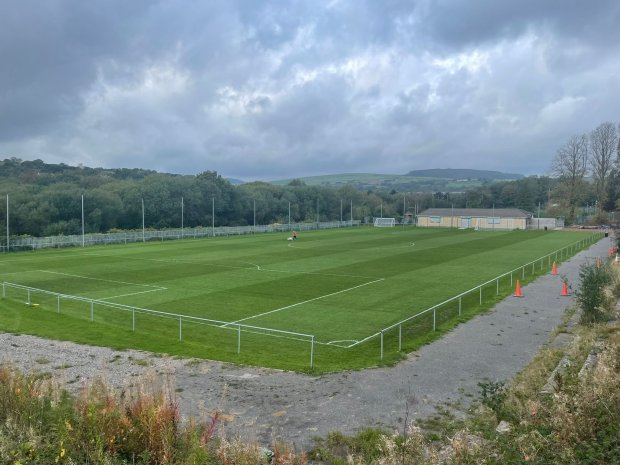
{"points": [[518, 289], [564, 289], [555, 269]]}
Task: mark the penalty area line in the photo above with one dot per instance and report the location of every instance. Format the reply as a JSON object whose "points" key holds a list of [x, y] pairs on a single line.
{"points": [[131, 293], [158, 288], [304, 302]]}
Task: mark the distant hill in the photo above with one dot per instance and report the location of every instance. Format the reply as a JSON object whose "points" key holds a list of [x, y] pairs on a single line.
{"points": [[449, 173], [439, 180]]}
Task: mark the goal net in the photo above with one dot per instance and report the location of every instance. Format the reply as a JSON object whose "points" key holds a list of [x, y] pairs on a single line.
{"points": [[384, 222]]}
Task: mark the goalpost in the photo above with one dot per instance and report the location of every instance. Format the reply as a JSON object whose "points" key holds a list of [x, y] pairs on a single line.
{"points": [[385, 222]]}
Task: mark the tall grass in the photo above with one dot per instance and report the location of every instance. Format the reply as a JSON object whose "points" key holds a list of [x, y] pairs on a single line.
{"points": [[41, 424]]}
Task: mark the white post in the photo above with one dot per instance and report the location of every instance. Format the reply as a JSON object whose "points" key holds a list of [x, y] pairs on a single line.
{"points": [[312, 353], [82, 220], [289, 215], [7, 222], [452, 218], [381, 209], [180, 328], [182, 218], [381, 345], [317, 213], [213, 217], [254, 229], [238, 339], [351, 212], [143, 219], [340, 213], [404, 208]]}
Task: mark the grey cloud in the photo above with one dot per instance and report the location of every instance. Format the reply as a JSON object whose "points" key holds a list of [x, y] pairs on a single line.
{"points": [[278, 89], [463, 23]]}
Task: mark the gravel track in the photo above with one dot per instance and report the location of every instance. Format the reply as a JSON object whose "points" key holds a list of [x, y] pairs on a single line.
{"points": [[266, 404]]}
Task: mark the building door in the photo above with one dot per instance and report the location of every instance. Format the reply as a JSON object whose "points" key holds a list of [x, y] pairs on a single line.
{"points": [[465, 222]]}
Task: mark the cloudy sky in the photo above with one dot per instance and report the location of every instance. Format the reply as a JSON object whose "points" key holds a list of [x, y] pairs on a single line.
{"points": [[277, 89]]}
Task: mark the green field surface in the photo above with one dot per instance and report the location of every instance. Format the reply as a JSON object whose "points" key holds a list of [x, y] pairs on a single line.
{"points": [[337, 288]]}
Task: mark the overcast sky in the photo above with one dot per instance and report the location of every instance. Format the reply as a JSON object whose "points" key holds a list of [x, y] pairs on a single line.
{"points": [[278, 89]]}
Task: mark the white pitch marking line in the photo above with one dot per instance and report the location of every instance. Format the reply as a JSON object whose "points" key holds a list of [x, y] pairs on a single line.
{"points": [[304, 302], [161, 288], [131, 293]]}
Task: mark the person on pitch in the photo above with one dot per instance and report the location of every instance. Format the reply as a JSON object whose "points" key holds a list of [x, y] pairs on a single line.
{"points": [[294, 235]]}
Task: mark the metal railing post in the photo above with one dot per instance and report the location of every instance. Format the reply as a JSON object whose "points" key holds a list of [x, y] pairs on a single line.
{"points": [[92, 310], [497, 286], [480, 295], [312, 353], [133, 319], [434, 319], [28, 297], [180, 328], [58, 303], [400, 337], [239, 341], [460, 305], [381, 345]]}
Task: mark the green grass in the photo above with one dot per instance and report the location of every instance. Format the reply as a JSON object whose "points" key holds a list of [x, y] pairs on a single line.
{"points": [[341, 286]]}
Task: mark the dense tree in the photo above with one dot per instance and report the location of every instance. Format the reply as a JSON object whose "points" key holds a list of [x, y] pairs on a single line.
{"points": [[570, 165], [603, 144]]}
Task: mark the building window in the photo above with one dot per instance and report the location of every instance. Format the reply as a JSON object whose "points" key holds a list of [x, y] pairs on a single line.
{"points": [[493, 220], [435, 219]]}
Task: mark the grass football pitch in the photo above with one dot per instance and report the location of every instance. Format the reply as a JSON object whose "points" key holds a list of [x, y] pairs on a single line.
{"points": [[339, 286]]}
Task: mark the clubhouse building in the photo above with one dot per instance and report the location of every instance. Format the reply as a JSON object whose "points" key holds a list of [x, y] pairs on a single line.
{"points": [[476, 218]]}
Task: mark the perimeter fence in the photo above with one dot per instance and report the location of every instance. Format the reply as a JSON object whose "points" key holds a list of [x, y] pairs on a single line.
{"points": [[405, 333], [79, 240], [224, 336]]}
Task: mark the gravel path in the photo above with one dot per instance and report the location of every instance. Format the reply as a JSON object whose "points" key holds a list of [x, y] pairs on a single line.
{"points": [[267, 404]]}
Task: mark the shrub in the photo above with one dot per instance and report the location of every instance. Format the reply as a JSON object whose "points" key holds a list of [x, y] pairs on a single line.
{"points": [[591, 294]]}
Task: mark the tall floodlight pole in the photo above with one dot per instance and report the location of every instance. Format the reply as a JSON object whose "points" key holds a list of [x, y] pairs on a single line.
{"points": [[182, 218], [143, 240], [289, 215], [213, 216], [351, 212], [452, 219], [493, 215], [404, 209], [82, 220], [254, 229], [317, 214], [381, 209], [7, 222], [340, 213], [538, 215]]}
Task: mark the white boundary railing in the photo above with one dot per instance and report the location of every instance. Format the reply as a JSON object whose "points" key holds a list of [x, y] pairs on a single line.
{"points": [[227, 325], [78, 240], [558, 254]]}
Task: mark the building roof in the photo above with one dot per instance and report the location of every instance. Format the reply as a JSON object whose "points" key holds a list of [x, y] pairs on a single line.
{"points": [[477, 212]]}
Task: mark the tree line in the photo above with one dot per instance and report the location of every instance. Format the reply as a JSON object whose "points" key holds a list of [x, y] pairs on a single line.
{"points": [[46, 199], [587, 167]]}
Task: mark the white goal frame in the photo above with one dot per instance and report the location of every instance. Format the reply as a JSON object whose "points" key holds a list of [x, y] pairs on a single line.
{"points": [[385, 222]]}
